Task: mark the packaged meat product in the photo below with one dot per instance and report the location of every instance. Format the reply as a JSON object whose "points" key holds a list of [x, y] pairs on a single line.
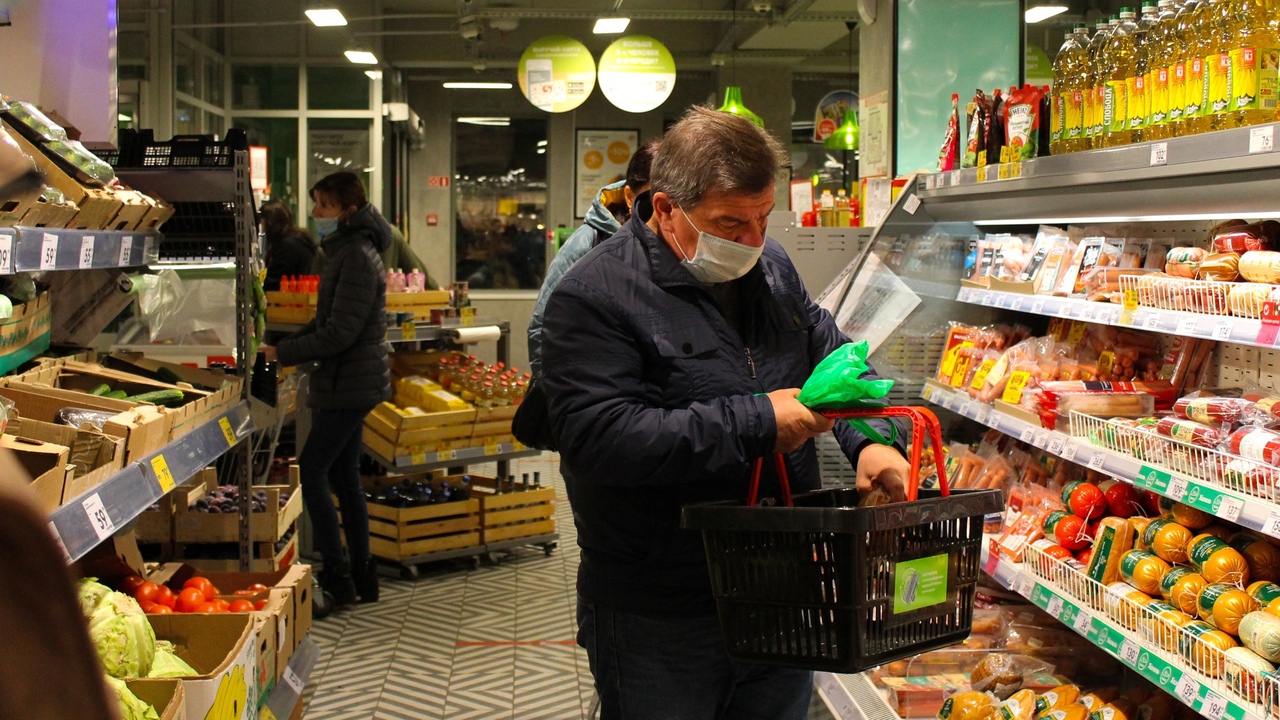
{"points": [[998, 674], [1184, 515], [1070, 531], [1162, 390], [1084, 499], [1219, 266], [1167, 539], [1262, 266], [1020, 706], [1250, 476], [1056, 699], [1256, 444], [1217, 561], [1262, 557], [1224, 606], [1200, 434], [1028, 528], [1102, 283], [1118, 709], [1114, 539], [1213, 410], [1098, 698], [1084, 256], [1046, 238], [1122, 500], [1246, 299], [1243, 670], [1263, 591], [1184, 261], [1106, 404], [1205, 659], [1060, 253], [1143, 570], [1181, 587], [958, 335], [968, 705], [1241, 239], [1123, 603], [1162, 628], [1260, 632]]}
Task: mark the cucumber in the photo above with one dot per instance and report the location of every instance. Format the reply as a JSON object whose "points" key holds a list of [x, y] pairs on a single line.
{"points": [[167, 398], [117, 395], [101, 390], [165, 375]]}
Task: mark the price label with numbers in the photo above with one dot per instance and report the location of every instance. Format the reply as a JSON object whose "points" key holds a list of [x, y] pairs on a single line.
{"points": [[981, 413], [1037, 306], [86, 252], [1272, 525], [49, 251], [1083, 623], [988, 299], [1187, 326], [1214, 707], [1222, 330], [446, 455], [1042, 439], [418, 458], [912, 204], [6, 254], [1055, 606], [1262, 139], [225, 425], [408, 331], [491, 447], [927, 393], [1159, 153], [1096, 461], [1017, 303], [1177, 488], [1131, 299], [292, 680], [1230, 508], [126, 251], [1151, 321], [1064, 310], [1187, 689], [966, 407], [1056, 444], [1028, 434], [163, 475], [1069, 451], [1129, 650], [103, 527], [1026, 584]]}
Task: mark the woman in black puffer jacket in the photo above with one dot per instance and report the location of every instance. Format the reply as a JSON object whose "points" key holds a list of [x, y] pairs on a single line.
{"points": [[348, 341]]}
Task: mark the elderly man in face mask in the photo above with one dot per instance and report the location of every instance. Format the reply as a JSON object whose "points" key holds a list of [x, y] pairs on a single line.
{"points": [[672, 357]]}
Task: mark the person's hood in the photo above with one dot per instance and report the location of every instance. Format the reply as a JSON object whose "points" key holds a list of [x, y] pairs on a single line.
{"points": [[365, 221], [599, 217]]}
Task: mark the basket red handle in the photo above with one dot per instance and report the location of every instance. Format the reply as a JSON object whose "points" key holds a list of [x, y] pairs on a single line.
{"points": [[922, 421]]}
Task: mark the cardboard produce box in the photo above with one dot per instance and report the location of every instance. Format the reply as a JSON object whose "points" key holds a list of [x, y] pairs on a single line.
{"points": [[98, 206], [192, 526], [143, 428], [93, 458], [166, 695], [223, 648], [26, 333], [44, 465], [265, 559]]}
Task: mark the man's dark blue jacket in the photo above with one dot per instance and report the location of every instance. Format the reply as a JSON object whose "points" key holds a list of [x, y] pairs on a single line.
{"points": [[656, 401]]}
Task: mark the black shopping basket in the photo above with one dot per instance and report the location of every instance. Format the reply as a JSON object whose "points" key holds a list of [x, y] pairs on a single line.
{"points": [[822, 584]]}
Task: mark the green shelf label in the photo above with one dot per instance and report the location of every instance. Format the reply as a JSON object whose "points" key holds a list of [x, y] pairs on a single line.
{"points": [[1152, 479]]}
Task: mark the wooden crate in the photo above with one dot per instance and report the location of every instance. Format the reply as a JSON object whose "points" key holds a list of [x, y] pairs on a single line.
{"points": [[401, 533], [266, 527], [511, 515], [265, 558]]}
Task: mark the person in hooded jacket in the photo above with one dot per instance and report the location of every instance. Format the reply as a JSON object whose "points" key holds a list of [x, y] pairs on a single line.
{"points": [[347, 340]]}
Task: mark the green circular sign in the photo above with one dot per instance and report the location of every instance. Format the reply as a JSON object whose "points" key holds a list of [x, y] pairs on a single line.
{"points": [[637, 73], [557, 73]]}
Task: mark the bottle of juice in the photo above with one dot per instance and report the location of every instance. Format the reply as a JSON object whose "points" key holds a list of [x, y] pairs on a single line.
{"points": [[827, 215], [842, 208], [1096, 84], [1255, 55], [1159, 49], [1119, 63], [1066, 105]]}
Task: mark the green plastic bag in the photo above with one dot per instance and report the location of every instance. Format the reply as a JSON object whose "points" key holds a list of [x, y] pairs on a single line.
{"points": [[837, 384]]}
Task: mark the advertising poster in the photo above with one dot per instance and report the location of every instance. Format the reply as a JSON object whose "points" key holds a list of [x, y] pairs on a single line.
{"points": [[557, 73], [637, 73], [602, 159], [830, 113]]}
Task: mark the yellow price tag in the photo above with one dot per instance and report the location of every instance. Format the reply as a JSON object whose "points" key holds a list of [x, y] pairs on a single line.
{"points": [[266, 714], [1005, 154], [408, 330], [467, 317], [1003, 171], [962, 371], [227, 432], [1013, 391], [161, 467], [1015, 169], [491, 447], [982, 174], [1105, 361], [980, 376], [1077, 332], [444, 455], [418, 459], [1131, 298], [927, 393]]}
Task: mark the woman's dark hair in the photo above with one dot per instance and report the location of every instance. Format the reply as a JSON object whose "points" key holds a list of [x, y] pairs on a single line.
{"points": [[343, 188], [641, 162], [277, 219]]}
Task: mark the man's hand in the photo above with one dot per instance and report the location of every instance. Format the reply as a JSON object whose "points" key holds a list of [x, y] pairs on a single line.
{"points": [[796, 423], [883, 465]]}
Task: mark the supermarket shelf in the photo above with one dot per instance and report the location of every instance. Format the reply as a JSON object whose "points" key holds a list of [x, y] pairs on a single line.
{"points": [[1244, 331], [451, 458], [27, 249], [1135, 652], [287, 693], [417, 332], [852, 697], [1242, 509], [1231, 172], [85, 521]]}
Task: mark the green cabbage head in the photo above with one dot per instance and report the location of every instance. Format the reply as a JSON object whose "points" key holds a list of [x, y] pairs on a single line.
{"points": [[131, 708], [123, 637], [168, 665], [91, 594]]}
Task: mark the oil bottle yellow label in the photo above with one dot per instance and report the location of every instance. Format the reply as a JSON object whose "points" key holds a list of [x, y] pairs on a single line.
{"points": [[1058, 130], [1218, 72], [1073, 115], [1195, 90], [1177, 90], [1253, 78], [1159, 94], [1115, 109], [1136, 102]]}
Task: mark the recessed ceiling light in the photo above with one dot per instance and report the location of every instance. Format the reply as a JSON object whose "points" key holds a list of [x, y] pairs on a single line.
{"points": [[478, 85], [1044, 12], [362, 57], [482, 120], [326, 17], [611, 25]]}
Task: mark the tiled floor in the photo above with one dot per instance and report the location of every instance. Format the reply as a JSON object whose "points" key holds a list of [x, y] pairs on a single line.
{"points": [[492, 643]]}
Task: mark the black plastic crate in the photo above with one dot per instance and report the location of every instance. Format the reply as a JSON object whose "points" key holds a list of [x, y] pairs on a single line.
{"points": [[140, 149], [829, 586]]}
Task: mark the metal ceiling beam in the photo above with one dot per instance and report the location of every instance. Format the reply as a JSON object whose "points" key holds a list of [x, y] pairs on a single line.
{"points": [[682, 15]]}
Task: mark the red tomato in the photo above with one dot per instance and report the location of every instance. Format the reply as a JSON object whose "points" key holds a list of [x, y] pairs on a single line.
{"points": [[245, 593], [165, 597], [240, 606], [189, 600], [130, 583], [146, 592], [260, 605], [203, 585], [221, 604], [147, 606], [158, 609], [207, 607], [257, 587]]}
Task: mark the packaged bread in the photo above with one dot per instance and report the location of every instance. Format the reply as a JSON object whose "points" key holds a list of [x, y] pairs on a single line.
{"points": [[1114, 539], [1181, 587], [1261, 266], [1220, 267], [1243, 670], [1164, 623], [1217, 561], [1167, 539], [967, 705], [1183, 261], [1224, 606], [1185, 515], [1246, 299], [1263, 591], [1260, 632], [1020, 706], [1056, 699], [1143, 570], [1202, 645], [1263, 557]]}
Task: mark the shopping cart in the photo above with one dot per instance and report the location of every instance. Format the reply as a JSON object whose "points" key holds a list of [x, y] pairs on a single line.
{"points": [[822, 584]]}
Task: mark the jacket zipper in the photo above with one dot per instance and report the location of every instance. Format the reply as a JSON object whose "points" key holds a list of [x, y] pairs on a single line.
{"points": [[751, 363]]}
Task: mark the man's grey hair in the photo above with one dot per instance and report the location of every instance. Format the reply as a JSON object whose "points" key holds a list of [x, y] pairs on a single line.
{"points": [[711, 151]]}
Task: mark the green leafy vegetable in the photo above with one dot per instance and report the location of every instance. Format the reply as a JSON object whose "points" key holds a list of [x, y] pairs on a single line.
{"points": [[91, 594], [131, 708], [124, 639], [168, 665]]}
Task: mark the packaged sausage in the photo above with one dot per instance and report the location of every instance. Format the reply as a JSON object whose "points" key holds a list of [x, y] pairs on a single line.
{"points": [[1256, 444], [1263, 591], [1020, 706], [1261, 266], [1167, 539], [1213, 410], [1245, 299], [1217, 561], [1143, 570], [1205, 436], [1203, 645], [1184, 261], [1114, 539], [1082, 259], [1181, 587], [1162, 629], [968, 705], [959, 336], [1260, 632], [1263, 559], [1224, 606], [1219, 266], [1241, 239], [1244, 670], [1184, 515], [1250, 476]]}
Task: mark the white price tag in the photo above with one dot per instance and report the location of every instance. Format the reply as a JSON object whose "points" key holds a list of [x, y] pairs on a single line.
{"points": [[126, 251], [930, 182], [1064, 310], [1028, 434], [103, 527], [1272, 525], [1017, 303], [148, 246], [86, 252], [1159, 153], [1037, 307], [1129, 650], [1096, 461], [49, 252], [912, 204], [292, 680], [1055, 606], [1177, 488], [1083, 622], [1069, 452], [1056, 443], [955, 178], [1187, 326], [1214, 707], [1086, 312], [6, 254], [1026, 584], [981, 413], [1230, 508], [1222, 330], [1187, 689], [1042, 439], [1151, 321], [1262, 139], [988, 299], [966, 408]]}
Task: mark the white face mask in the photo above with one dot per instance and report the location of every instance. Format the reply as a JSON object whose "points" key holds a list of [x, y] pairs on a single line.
{"points": [[718, 260]]}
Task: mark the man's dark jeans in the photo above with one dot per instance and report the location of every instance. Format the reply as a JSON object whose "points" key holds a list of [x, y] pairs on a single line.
{"points": [[661, 668]]}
